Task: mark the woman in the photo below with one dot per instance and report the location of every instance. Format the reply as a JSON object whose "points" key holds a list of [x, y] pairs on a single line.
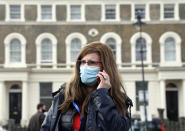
{"points": [[94, 99]]}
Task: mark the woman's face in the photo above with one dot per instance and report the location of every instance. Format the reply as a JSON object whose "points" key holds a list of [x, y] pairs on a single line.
{"points": [[91, 59]]}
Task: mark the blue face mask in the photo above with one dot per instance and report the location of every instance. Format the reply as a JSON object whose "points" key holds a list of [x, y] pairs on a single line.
{"points": [[88, 74]]}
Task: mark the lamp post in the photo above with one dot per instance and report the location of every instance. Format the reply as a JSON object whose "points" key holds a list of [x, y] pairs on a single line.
{"points": [[139, 25]]}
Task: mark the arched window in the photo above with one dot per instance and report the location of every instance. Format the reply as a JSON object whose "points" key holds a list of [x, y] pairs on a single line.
{"points": [[171, 85], [15, 87], [76, 46], [111, 42], [74, 42], [170, 49], [46, 51], [114, 41], [15, 51], [137, 42], [140, 43]]}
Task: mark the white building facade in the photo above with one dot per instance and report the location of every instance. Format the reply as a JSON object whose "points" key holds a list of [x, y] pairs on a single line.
{"points": [[39, 41]]}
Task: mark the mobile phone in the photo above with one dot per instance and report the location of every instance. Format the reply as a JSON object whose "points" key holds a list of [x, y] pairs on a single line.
{"points": [[99, 80]]}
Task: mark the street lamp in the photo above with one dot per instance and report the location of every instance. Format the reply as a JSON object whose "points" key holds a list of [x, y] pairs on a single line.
{"points": [[138, 26]]}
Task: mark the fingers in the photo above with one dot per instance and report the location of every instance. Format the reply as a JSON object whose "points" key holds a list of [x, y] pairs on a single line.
{"points": [[104, 80], [100, 76], [105, 75]]}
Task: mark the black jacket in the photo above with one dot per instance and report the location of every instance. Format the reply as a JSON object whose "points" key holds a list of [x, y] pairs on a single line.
{"points": [[102, 114]]}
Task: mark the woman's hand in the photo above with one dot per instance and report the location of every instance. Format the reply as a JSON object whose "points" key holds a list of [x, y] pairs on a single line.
{"points": [[104, 80]]}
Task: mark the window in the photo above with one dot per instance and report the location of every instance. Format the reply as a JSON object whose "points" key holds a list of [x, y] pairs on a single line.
{"points": [[15, 51], [111, 42], [114, 41], [171, 86], [15, 87], [75, 12], [136, 41], [140, 9], [46, 44], [110, 12], [46, 12], [46, 51], [15, 12], [45, 94], [140, 43], [170, 49], [74, 42], [168, 11], [140, 93], [75, 48]]}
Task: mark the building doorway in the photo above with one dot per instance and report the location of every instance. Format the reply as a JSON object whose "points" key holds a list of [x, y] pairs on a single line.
{"points": [[15, 103], [172, 102]]}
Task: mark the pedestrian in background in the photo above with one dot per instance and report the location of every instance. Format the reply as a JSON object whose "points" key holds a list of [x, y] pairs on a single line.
{"points": [[94, 99], [37, 119]]}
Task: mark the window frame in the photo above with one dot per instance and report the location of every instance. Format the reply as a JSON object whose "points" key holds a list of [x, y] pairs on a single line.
{"points": [[143, 14], [148, 40], [117, 12], [147, 11], [12, 13], [39, 13], [82, 11], [176, 12], [68, 40], [164, 12], [48, 13], [7, 41], [8, 17], [74, 13], [38, 41], [178, 40], [118, 40]]}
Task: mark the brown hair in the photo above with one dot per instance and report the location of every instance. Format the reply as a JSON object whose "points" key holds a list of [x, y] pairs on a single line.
{"points": [[77, 91]]}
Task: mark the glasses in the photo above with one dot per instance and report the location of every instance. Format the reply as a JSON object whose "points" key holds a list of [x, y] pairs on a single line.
{"points": [[90, 62]]}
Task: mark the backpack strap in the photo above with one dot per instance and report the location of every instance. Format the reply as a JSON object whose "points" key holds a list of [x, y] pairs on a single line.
{"points": [[129, 104]]}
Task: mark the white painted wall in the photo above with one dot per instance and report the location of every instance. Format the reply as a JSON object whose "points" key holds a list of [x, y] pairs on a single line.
{"points": [[59, 76], [2, 102], [154, 97], [33, 98]]}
